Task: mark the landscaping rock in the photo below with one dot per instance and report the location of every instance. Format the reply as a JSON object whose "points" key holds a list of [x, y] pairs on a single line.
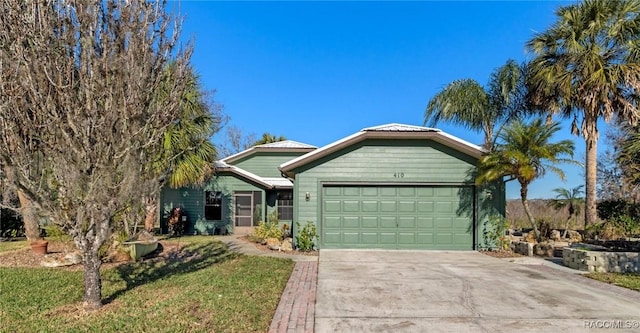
{"points": [[530, 237], [574, 236], [544, 249], [54, 260], [273, 244], [287, 244], [555, 235]]}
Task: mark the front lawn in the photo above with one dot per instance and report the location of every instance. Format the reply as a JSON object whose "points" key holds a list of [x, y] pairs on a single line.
{"points": [[10, 245], [201, 288], [626, 280]]}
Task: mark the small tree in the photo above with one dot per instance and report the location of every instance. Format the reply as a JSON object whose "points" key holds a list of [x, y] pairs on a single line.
{"points": [[524, 153], [79, 116], [572, 200]]}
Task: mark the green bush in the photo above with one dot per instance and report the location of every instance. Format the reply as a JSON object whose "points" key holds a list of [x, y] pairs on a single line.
{"points": [[628, 225], [268, 229], [611, 209], [306, 236], [495, 233]]}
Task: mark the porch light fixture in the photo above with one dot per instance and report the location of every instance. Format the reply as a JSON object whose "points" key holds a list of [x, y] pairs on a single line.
{"points": [[307, 196]]}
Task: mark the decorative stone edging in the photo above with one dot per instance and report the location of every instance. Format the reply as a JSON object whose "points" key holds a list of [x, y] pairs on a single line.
{"points": [[586, 257]]}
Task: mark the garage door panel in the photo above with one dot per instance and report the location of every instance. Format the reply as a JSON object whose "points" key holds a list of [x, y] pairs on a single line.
{"points": [[388, 222], [351, 222], [425, 222], [369, 238], [369, 222], [444, 223], [387, 206], [406, 238], [333, 206], [425, 206], [370, 191], [388, 192], [369, 206], [425, 238], [407, 191], [407, 207], [409, 217], [351, 206], [332, 238], [349, 237], [332, 191], [444, 207], [388, 238], [407, 222], [351, 191], [443, 238], [332, 222]]}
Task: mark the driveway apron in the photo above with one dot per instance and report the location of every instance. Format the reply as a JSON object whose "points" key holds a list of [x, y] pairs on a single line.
{"points": [[433, 291]]}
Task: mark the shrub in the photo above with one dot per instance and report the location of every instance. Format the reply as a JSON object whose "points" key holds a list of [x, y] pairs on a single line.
{"points": [[611, 209], [268, 229], [495, 230], [305, 240]]}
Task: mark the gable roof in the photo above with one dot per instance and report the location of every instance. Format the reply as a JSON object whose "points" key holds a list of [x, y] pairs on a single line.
{"points": [[280, 146], [388, 131], [266, 182]]}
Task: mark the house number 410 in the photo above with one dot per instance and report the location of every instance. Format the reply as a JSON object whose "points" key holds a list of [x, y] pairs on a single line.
{"points": [[398, 175]]}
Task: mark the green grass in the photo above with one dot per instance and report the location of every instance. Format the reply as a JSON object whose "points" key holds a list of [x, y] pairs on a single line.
{"points": [[626, 280], [12, 245], [209, 289]]}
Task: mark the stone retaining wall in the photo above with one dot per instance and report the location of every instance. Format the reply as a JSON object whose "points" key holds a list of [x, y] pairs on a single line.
{"points": [[523, 248], [601, 261]]}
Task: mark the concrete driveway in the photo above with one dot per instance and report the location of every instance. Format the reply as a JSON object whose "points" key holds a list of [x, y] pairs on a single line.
{"points": [[429, 291]]}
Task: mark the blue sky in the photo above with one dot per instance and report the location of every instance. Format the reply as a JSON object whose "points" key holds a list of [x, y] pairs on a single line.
{"points": [[316, 72]]}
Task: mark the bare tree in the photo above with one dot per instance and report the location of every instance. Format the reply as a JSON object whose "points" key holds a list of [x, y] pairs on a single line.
{"points": [[79, 116], [236, 141]]}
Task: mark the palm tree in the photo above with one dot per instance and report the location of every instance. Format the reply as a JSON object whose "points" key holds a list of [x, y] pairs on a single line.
{"points": [[587, 66], [524, 153], [568, 198], [269, 138], [187, 154], [465, 102]]}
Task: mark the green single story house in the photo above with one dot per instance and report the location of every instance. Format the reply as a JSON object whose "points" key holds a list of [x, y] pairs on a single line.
{"points": [[392, 186]]}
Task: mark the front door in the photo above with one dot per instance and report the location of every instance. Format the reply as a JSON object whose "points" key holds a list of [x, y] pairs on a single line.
{"points": [[244, 209]]}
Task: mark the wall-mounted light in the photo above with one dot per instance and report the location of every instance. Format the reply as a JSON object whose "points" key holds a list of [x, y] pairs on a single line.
{"points": [[307, 196]]}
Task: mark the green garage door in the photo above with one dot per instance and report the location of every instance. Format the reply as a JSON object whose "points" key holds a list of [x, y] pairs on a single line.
{"points": [[395, 217]]}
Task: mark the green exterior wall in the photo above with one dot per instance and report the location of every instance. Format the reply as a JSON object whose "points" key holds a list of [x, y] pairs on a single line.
{"points": [[192, 200], [394, 162], [265, 164]]}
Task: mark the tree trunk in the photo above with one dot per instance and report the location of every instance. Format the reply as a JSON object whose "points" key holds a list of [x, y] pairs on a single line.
{"points": [[566, 227], [92, 282], [151, 209], [590, 133], [29, 217], [523, 196]]}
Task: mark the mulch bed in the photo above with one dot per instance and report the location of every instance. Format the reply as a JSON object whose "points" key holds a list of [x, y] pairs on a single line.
{"points": [[264, 248], [501, 254], [167, 250]]}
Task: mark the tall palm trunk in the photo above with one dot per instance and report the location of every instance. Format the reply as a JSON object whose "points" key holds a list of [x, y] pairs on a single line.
{"points": [[29, 217], [525, 204], [590, 133]]}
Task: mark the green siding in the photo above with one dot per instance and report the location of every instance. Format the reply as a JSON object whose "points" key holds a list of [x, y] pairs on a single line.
{"points": [[192, 200], [385, 162], [265, 164]]}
